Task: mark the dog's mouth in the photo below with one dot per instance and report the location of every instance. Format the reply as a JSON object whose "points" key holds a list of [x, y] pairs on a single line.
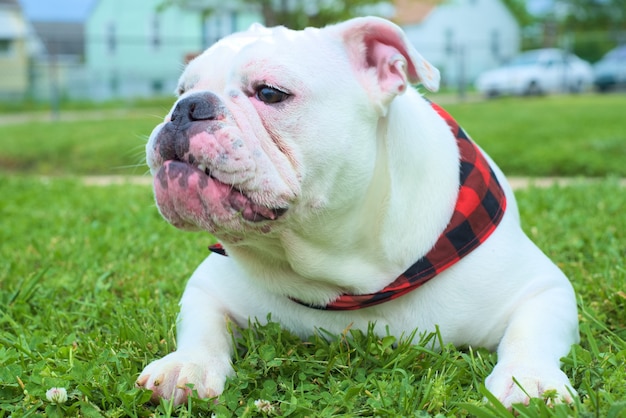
{"points": [[242, 204], [211, 175], [190, 195]]}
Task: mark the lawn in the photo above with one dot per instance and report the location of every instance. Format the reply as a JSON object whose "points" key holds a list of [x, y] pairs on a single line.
{"points": [[91, 276], [551, 136]]}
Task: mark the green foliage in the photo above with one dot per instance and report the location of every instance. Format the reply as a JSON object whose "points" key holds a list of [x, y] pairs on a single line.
{"points": [[294, 14], [590, 28], [300, 14], [92, 275], [519, 11], [594, 14], [592, 45]]}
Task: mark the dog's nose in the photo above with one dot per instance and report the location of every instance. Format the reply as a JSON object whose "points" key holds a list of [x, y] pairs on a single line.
{"points": [[197, 107], [172, 142]]}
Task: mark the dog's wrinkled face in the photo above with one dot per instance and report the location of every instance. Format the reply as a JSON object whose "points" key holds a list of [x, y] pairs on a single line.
{"points": [[231, 157], [216, 166], [273, 125]]}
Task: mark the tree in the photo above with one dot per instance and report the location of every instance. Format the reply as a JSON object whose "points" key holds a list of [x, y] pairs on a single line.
{"points": [[594, 26], [594, 14], [520, 12], [295, 14]]}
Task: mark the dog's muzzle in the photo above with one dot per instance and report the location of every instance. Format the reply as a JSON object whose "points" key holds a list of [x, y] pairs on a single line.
{"points": [[203, 167]]}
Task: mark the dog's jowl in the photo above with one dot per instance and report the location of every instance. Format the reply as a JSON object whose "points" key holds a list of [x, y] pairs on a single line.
{"points": [[342, 196]]}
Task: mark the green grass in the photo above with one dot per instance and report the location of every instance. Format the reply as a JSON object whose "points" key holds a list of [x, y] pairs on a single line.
{"points": [[20, 106], [98, 145], [550, 136], [91, 277], [564, 136]]}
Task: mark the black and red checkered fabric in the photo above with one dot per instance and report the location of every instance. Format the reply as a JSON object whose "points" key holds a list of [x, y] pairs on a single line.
{"points": [[479, 208]]}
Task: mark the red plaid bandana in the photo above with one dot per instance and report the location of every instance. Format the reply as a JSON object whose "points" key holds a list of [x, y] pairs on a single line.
{"points": [[478, 210]]}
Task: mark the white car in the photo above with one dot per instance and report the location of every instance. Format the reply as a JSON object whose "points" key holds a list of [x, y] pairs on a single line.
{"points": [[610, 71], [536, 72]]}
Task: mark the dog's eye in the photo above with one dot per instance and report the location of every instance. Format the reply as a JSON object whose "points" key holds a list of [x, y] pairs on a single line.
{"points": [[270, 95]]}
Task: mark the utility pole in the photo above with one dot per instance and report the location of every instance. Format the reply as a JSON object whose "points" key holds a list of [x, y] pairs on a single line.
{"points": [[460, 55], [53, 74]]}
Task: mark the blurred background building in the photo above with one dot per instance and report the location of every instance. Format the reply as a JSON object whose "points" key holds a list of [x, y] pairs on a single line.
{"points": [[119, 49], [19, 45]]}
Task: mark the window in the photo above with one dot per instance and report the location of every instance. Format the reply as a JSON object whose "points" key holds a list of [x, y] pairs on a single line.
{"points": [[114, 84], [157, 86], [111, 38], [495, 44], [219, 25], [449, 41], [155, 32], [6, 47]]}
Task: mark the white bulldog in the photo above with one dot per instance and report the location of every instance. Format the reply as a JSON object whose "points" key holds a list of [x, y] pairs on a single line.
{"points": [[342, 197]]}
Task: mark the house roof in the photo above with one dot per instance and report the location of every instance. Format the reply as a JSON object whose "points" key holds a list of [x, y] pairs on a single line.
{"points": [[411, 12], [11, 22], [61, 38]]}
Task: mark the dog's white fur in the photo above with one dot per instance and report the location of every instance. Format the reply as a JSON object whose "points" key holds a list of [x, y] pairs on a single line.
{"points": [[370, 174]]}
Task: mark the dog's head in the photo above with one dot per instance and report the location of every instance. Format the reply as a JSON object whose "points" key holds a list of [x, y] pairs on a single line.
{"points": [[274, 124]]}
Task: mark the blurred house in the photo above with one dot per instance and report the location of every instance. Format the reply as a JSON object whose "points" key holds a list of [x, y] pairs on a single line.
{"points": [[62, 39], [462, 38], [16, 47], [129, 49], [58, 68], [138, 49]]}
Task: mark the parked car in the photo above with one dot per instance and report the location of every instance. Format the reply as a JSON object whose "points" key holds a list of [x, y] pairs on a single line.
{"points": [[610, 71], [539, 71]]}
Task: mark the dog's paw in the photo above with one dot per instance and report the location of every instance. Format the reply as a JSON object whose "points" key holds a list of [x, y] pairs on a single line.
{"points": [[172, 376], [512, 385]]}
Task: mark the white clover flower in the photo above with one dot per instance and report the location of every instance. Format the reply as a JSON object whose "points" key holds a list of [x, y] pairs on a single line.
{"points": [[57, 395], [264, 406]]}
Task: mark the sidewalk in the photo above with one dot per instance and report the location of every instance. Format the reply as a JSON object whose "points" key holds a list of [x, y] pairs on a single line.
{"points": [[517, 183], [74, 115]]}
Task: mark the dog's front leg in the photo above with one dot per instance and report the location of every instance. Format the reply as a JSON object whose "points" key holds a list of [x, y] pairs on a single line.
{"points": [[203, 354], [540, 332]]}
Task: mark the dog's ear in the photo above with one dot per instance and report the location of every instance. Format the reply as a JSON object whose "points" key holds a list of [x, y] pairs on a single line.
{"points": [[379, 47]]}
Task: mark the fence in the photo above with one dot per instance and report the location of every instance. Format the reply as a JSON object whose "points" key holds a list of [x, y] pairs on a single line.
{"points": [[137, 71], [139, 68]]}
